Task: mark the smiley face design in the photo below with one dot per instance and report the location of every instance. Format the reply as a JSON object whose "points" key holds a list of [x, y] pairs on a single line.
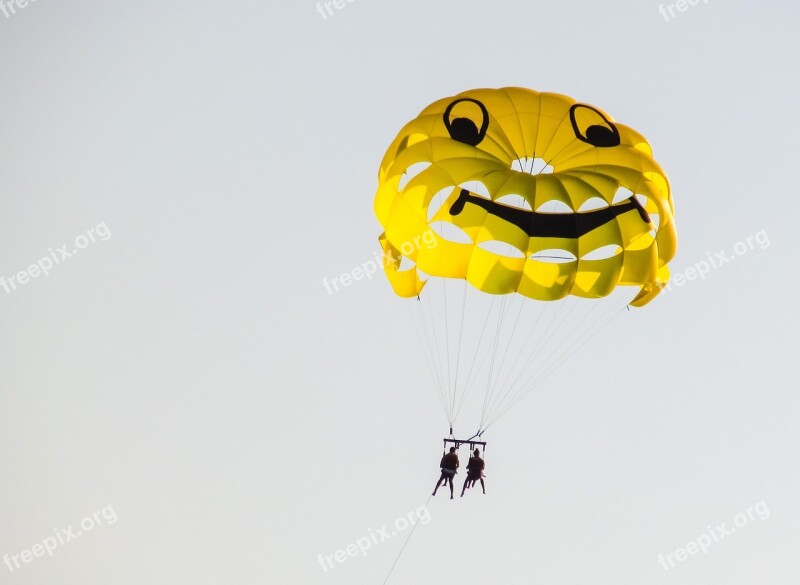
{"points": [[518, 191]]}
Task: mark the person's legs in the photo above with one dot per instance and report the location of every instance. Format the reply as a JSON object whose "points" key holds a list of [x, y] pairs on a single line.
{"points": [[465, 486], [483, 486], [450, 479], [443, 477]]}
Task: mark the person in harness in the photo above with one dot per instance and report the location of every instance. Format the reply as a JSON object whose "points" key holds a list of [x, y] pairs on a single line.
{"points": [[475, 467], [449, 466]]}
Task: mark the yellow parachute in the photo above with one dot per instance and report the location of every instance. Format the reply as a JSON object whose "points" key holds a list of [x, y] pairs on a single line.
{"points": [[516, 191], [536, 172]]}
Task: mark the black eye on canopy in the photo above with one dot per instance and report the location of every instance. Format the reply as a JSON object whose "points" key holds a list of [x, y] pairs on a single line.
{"points": [[464, 129], [592, 127]]}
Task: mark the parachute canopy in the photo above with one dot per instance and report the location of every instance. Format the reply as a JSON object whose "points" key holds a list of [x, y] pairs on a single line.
{"points": [[519, 191]]}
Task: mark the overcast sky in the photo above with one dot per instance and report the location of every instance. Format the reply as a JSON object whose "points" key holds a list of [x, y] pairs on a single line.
{"points": [[178, 378]]}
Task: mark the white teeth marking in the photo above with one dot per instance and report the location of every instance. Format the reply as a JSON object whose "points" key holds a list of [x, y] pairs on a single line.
{"points": [[642, 200], [437, 202], [532, 166], [517, 201], [476, 188], [621, 195], [603, 252], [592, 204], [451, 232], [410, 173], [501, 249], [554, 256], [554, 206]]}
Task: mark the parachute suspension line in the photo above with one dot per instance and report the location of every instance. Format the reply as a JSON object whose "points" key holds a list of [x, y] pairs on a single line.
{"points": [[532, 356], [428, 351], [523, 351], [550, 359], [541, 340], [537, 357], [565, 320], [450, 389], [494, 372], [597, 326], [488, 351], [429, 354], [422, 333], [544, 374], [405, 544], [543, 362], [494, 357], [458, 352], [470, 380], [436, 353], [558, 358], [492, 408], [423, 343], [494, 384]]}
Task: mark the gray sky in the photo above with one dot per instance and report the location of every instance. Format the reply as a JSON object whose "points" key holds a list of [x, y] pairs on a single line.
{"points": [[187, 378]]}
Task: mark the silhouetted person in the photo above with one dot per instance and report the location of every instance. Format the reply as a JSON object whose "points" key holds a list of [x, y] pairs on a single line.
{"points": [[475, 467], [449, 465]]}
